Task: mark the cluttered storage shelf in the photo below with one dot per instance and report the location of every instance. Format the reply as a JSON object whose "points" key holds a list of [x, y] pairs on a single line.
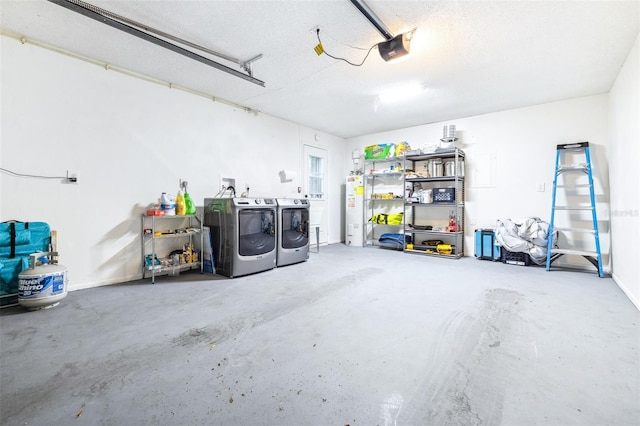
{"points": [[434, 203], [383, 201], [171, 244]]}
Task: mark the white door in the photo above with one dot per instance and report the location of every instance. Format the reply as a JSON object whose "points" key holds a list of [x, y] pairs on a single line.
{"points": [[315, 189]]}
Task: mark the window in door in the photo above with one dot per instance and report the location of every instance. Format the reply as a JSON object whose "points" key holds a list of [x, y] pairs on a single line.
{"points": [[316, 177]]}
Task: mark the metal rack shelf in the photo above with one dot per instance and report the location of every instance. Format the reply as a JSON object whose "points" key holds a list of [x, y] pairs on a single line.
{"points": [[383, 194], [188, 228], [421, 214]]}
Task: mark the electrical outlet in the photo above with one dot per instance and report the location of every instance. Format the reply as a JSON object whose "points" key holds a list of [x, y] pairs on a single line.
{"points": [[540, 187], [72, 176]]}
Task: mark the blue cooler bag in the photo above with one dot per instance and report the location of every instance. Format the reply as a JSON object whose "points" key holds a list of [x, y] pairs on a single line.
{"points": [[17, 241], [394, 241]]}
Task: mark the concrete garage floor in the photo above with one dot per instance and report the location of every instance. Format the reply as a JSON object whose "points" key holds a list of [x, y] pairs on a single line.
{"points": [[353, 336]]}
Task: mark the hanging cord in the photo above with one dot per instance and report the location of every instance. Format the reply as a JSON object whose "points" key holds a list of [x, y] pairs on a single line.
{"points": [[223, 192], [219, 194], [32, 176], [342, 59]]}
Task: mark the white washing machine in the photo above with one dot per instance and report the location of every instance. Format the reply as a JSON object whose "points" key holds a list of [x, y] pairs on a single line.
{"points": [[293, 231], [243, 234]]}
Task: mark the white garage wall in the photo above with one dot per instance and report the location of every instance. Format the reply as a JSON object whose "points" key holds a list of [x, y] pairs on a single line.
{"points": [[510, 153], [130, 140], [625, 180]]}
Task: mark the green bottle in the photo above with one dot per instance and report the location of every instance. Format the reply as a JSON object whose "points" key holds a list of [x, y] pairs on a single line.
{"points": [[191, 208]]}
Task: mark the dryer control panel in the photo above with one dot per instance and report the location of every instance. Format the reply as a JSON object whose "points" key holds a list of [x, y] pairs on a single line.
{"points": [[254, 201]]}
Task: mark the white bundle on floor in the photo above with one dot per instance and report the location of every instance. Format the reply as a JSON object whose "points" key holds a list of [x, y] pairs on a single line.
{"points": [[530, 236]]}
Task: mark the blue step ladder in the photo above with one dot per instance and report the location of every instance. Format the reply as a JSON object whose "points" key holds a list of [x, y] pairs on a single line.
{"points": [[575, 150]]}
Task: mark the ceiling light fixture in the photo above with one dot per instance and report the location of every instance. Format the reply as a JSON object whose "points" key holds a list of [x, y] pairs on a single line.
{"points": [[394, 47], [120, 23]]}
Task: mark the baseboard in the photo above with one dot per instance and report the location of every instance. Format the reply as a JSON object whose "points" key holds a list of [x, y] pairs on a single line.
{"points": [[634, 300], [119, 280]]}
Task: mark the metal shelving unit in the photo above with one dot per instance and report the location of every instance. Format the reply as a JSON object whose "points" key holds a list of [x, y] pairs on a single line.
{"points": [[434, 207], [383, 194], [165, 232]]}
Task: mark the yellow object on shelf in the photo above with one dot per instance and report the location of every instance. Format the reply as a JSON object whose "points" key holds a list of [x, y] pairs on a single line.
{"points": [[181, 206], [401, 148], [444, 248]]}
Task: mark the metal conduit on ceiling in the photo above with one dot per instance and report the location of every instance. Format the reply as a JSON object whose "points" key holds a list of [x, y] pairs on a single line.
{"points": [[113, 20]]}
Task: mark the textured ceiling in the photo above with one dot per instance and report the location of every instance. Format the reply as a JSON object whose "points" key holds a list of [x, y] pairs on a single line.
{"points": [[467, 57]]}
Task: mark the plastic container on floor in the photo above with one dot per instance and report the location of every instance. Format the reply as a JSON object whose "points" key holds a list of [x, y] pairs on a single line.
{"points": [[486, 248], [515, 258]]}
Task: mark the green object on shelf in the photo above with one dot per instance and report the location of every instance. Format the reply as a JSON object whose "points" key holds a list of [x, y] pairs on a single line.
{"points": [[379, 151], [191, 208]]}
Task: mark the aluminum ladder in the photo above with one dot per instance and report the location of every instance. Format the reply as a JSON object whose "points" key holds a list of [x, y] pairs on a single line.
{"points": [[553, 253]]}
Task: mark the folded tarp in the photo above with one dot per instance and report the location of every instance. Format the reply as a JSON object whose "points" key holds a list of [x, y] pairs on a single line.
{"points": [[529, 235]]}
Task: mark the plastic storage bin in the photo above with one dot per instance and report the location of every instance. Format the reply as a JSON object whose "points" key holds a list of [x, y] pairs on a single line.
{"points": [[444, 195]]}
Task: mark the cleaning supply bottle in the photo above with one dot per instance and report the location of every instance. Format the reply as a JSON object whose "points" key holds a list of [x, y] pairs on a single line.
{"points": [[167, 204], [181, 208], [191, 208]]}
